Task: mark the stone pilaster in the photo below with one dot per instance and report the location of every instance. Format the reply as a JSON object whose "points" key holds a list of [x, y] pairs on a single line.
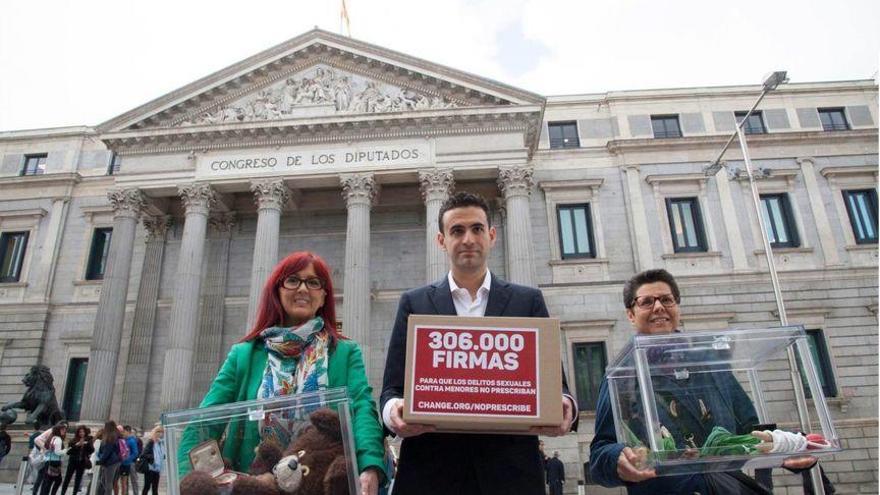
{"points": [[731, 225], [270, 196], [210, 337], [104, 354], [817, 205], [178, 366], [436, 186], [516, 187], [134, 389], [359, 192], [643, 256]]}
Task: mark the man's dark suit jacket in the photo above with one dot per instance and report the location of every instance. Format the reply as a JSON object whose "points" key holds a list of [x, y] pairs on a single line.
{"points": [[460, 463]]}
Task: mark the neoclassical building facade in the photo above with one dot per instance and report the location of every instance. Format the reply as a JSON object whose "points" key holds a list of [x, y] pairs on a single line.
{"points": [[133, 252]]}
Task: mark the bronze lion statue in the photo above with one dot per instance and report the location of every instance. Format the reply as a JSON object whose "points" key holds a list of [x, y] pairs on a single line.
{"points": [[38, 400]]}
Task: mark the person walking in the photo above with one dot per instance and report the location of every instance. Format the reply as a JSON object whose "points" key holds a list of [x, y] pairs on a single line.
{"points": [[154, 455], [54, 448], [79, 450], [127, 475], [109, 458], [555, 474]]}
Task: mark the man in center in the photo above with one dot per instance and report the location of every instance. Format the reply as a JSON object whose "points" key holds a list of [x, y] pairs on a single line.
{"points": [[461, 463]]}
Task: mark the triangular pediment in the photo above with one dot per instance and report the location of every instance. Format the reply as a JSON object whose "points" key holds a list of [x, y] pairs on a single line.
{"points": [[321, 90], [320, 74]]}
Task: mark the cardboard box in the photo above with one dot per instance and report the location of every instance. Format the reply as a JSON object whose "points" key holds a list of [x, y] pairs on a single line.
{"points": [[490, 374]]}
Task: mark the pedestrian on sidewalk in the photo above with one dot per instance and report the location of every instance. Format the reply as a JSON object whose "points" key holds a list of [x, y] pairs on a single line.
{"points": [[79, 450]]}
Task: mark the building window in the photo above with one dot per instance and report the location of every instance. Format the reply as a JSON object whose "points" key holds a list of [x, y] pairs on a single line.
{"points": [[779, 221], [589, 369], [575, 231], [34, 165], [861, 205], [755, 124], [686, 225], [12, 249], [822, 361], [73, 390], [563, 135], [665, 126], [99, 253], [833, 119], [115, 164]]}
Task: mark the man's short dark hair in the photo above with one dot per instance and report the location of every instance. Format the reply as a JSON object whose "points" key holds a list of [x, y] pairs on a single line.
{"points": [[631, 287], [461, 200], [127, 428]]}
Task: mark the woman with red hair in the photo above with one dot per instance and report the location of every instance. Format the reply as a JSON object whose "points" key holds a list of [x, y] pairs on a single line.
{"points": [[294, 347]]}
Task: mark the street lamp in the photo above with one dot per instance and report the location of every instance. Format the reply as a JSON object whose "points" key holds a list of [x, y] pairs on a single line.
{"points": [[771, 82]]}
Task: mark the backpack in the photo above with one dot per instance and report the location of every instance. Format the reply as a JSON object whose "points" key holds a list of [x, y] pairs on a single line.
{"points": [[123, 448]]}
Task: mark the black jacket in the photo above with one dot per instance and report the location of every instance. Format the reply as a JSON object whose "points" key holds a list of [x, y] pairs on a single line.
{"points": [[463, 464]]}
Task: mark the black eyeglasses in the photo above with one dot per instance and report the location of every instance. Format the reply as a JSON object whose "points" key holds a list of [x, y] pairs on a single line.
{"points": [[647, 302], [293, 282]]}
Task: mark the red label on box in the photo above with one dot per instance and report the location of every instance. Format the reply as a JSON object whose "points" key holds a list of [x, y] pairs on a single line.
{"points": [[475, 371]]}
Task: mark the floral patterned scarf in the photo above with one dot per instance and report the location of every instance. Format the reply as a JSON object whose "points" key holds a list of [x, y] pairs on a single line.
{"points": [[297, 359], [297, 363]]}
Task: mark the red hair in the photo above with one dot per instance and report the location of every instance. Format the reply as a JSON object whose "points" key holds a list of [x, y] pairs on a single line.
{"points": [[271, 313]]}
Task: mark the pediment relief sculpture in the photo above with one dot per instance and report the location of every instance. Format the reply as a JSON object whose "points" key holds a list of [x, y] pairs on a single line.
{"points": [[320, 91]]}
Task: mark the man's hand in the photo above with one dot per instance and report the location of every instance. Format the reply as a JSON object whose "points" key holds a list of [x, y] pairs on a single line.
{"points": [[800, 462], [369, 482], [403, 429], [563, 428], [626, 467]]}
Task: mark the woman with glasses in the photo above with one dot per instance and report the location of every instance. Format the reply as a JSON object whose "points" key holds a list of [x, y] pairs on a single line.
{"points": [[294, 347]]}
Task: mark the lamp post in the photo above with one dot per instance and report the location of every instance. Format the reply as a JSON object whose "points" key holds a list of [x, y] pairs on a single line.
{"points": [[770, 83]]}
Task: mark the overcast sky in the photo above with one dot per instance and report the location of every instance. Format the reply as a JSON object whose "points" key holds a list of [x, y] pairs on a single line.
{"points": [[82, 62]]}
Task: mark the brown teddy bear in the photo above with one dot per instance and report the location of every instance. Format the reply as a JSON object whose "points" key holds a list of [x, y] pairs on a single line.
{"points": [[314, 464]]}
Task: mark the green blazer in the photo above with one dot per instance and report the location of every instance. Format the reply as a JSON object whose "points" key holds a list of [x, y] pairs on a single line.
{"points": [[239, 380]]}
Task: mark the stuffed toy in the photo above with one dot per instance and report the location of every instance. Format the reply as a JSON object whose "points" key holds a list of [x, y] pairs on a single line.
{"points": [[314, 464]]}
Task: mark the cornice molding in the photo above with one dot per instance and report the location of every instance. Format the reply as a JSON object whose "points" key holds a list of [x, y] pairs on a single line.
{"points": [[661, 178], [43, 180], [328, 130], [554, 185], [857, 170], [618, 146]]}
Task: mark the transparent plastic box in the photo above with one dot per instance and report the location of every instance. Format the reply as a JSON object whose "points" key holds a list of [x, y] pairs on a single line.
{"points": [[682, 400], [221, 439]]}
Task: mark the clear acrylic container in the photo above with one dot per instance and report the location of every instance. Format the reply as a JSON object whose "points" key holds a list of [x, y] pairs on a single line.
{"points": [[682, 400], [231, 431]]}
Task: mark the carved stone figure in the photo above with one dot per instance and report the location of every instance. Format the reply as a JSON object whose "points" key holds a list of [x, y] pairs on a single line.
{"points": [[324, 85], [38, 400]]}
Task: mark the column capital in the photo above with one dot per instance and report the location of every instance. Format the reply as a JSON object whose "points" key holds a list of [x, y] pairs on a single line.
{"points": [[126, 202], [436, 184], [270, 193], [157, 226], [222, 223], [805, 159], [197, 198], [515, 181], [359, 188]]}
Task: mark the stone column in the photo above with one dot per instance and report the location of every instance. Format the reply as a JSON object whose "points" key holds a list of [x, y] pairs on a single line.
{"points": [[134, 389], [359, 192], [177, 373], [817, 205], [436, 185], [104, 354], [209, 341], [644, 259], [516, 186], [270, 196]]}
